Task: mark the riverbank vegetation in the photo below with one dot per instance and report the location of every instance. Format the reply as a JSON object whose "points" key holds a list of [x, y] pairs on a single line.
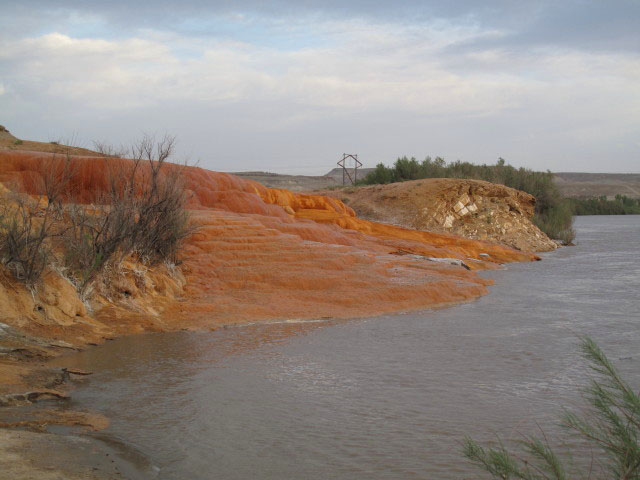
{"points": [[553, 213], [142, 213], [620, 205], [610, 425]]}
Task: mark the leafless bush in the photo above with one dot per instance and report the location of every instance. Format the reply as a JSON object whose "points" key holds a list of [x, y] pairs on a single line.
{"points": [[22, 248], [162, 219], [27, 224], [109, 150], [95, 236], [143, 213]]}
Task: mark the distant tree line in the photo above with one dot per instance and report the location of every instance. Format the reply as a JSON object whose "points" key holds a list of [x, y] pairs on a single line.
{"points": [[553, 212], [621, 205]]}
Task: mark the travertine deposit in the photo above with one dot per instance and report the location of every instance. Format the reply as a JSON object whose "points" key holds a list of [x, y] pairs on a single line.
{"points": [[258, 254]]}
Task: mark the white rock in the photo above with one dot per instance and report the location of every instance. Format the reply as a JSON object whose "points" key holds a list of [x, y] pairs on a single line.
{"points": [[448, 222], [450, 261]]}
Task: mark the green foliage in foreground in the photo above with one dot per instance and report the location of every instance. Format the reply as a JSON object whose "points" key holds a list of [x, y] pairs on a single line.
{"points": [[553, 214], [611, 424], [621, 205]]}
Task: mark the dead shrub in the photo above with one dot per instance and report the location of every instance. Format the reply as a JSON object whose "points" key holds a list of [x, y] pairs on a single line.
{"points": [[159, 200], [28, 224], [143, 213], [22, 240], [107, 150], [96, 235]]}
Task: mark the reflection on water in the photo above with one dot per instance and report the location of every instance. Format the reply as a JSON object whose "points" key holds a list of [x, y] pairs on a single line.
{"points": [[386, 397]]}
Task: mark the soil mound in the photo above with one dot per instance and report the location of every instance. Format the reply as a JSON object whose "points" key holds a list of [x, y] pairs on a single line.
{"points": [[473, 209]]}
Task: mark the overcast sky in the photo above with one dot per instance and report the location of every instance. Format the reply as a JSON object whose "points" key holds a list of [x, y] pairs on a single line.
{"points": [[289, 86]]}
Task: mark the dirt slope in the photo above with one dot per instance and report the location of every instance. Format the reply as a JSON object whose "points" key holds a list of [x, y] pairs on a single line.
{"points": [[470, 208], [10, 143]]}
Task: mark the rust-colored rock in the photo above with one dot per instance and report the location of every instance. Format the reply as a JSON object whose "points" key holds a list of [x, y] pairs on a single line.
{"points": [[265, 253], [258, 254]]}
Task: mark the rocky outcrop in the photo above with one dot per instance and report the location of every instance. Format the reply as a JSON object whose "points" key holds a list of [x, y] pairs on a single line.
{"points": [[469, 208]]}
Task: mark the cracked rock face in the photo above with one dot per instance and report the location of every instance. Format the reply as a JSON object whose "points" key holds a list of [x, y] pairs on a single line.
{"points": [[470, 208]]}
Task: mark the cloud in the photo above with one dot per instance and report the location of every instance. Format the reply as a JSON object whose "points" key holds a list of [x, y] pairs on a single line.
{"points": [[371, 68], [458, 85], [578, 24]]}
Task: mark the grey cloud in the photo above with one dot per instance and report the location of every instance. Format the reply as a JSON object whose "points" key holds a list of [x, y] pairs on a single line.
{"points": [[583, 24], [589, 26], [370, 94]]}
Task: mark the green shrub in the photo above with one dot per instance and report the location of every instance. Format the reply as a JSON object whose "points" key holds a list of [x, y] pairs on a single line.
{"points": [[611, 424], [621, 205], [556, 221]]}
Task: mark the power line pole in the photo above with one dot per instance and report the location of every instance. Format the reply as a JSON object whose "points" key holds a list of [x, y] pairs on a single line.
{"points": [[345, 170]]}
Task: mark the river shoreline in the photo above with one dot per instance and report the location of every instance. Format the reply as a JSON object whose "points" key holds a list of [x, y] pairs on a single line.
{"points": [[258, 255], [81, 451], [381, 397]]}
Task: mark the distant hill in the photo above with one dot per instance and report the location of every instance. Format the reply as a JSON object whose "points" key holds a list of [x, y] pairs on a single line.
{"points": [[295, 183], [336, 173], [577, 184], [299, 183], [571, 184]]}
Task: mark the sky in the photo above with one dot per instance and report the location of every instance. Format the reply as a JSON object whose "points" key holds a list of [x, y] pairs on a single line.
{"points": [[289, 86]]}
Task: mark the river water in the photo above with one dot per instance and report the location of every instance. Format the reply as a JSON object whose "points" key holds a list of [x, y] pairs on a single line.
{"points": [[389, 397]]}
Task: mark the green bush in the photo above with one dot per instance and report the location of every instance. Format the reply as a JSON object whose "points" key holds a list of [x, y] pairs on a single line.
{"points": [[556, 221], [611, 424]]}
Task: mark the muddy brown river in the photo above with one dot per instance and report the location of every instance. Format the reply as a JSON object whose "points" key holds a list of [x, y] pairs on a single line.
{"points": [[389, 397]]}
